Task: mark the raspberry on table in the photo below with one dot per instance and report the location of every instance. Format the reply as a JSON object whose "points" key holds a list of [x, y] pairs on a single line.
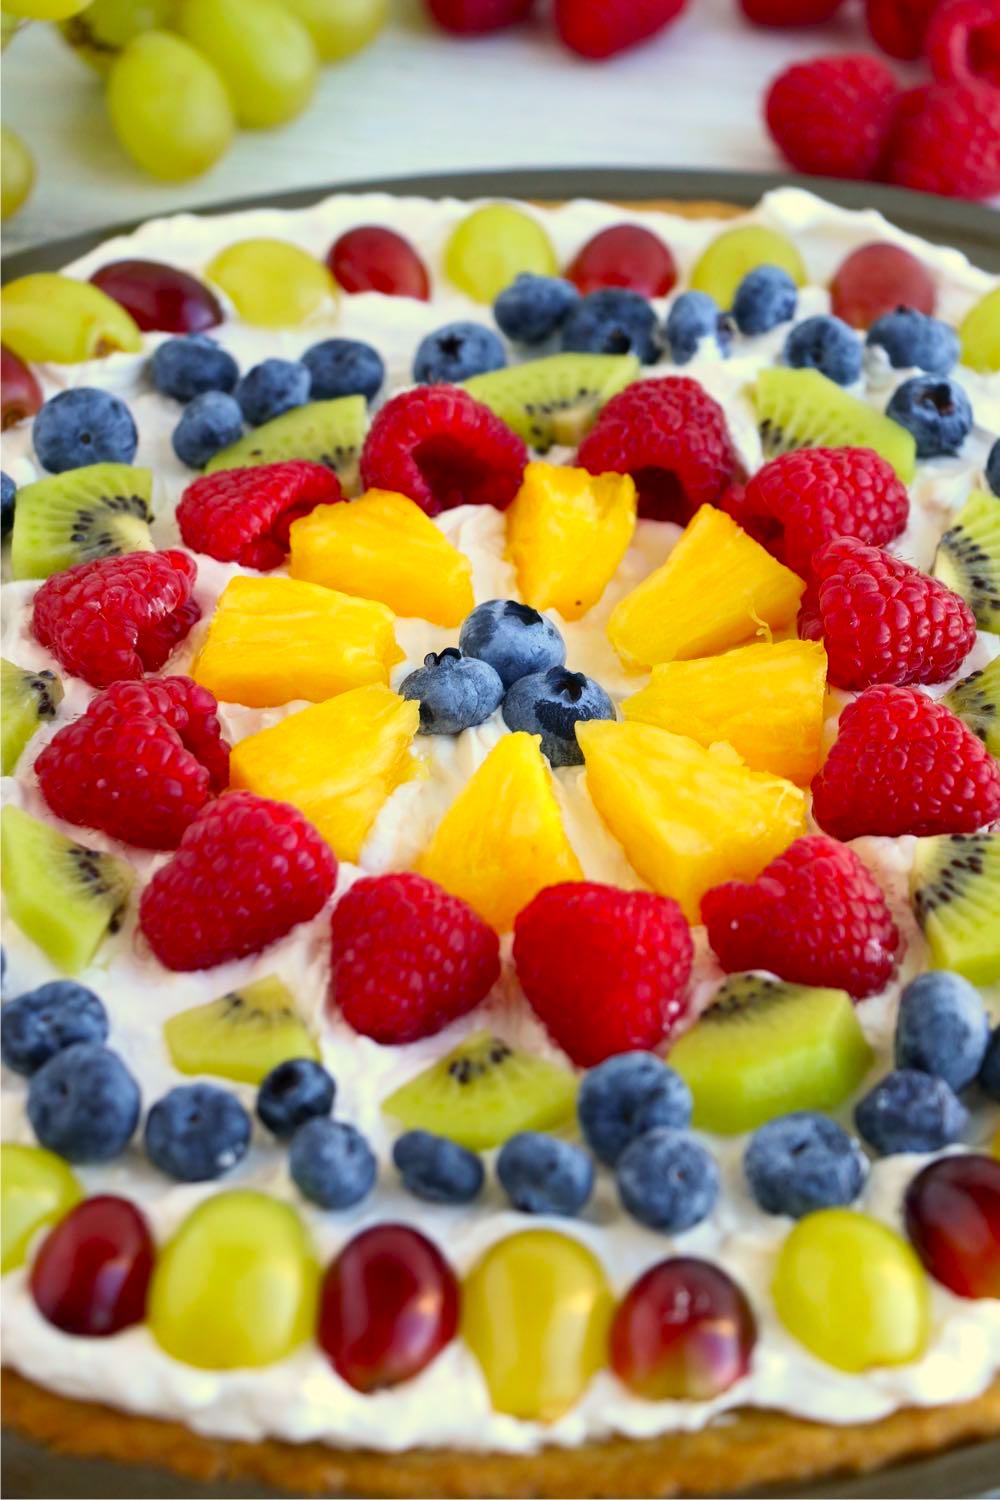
{"points": [[789, 12], [963, 41], [601, 28], [477, 17], [832, 115], [899, 27], [946, 139], [244, 515]]}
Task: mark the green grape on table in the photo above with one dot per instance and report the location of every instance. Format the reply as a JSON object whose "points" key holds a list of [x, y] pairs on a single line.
{"points": [[169, 107], [44, 10], [36, 1188], [9, 26], [51, 317], [492, 246], [272, 283], [340, 27], [264, 53], [99, 33], [17, 172]]}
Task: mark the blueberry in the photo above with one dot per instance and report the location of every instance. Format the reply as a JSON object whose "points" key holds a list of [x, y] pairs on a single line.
{"points": [[912, 340], [826, 344], [514, 638], [209, 423], [344, 367], [293, 1092], [551, 704], [936, 410], [992, 468], [667, 1180], [989, 1073], [627, 1096], [765, 297], [543, 1175], [802, 1162], [695, 316], [612, 321], [37, 1025], [273, 386], [84, 1103], [533, 308], [455, 692], [437, 1169], [456, 352], [942, 1028], [197, 1132], [331, 1163], [8, 493], [187, 367], [910, 1111], [84, 426]]}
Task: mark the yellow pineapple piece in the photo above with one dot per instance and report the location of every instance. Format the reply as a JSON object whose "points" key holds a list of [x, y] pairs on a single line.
{"points": [[272, 640], [337, 762], [687, 817], [567, 531], [765, 700], [384, 547], [503, 839], [718, 588]]}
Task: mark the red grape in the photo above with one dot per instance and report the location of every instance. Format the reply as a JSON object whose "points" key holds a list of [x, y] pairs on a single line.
{"points": [[477, 17], [876, 279], [373, 259], [389, 1305], [683, 1332], [19, 390], [952, 1212], [92, 1272], [160, 298], [624, 255]]}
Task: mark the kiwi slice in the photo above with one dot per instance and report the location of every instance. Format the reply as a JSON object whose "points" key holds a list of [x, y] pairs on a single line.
{"points": [[483, 1092], [554, 400], [955, 890], [976, 700], [968, 557], [101, 510], [28, 699], [242, 1035], [803, 409], [325, 432], [62, 895], [764, 1048]]}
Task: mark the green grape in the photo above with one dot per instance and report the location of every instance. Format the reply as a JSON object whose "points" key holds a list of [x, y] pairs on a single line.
{"points": [[272, 283], [46, 316], [340, 27], [169, 107], [723, 264], [36, 1188], [17, 172], [98, 35], [263, 52], [492, 246], [237, 1286], [9, 26], [44, 10]]}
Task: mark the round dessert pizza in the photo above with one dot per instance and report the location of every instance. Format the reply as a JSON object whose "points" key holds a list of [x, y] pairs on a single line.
{"points": [[500, 732]]}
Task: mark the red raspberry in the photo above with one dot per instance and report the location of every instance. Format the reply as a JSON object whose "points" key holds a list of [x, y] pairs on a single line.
{"points": [[883, 621], [832, 116], [789, 12], [902, 763], [475, 17], [141, 762], [815, 915], [946, 139], [117, 617], [764, 529], [408, 958], [605, 970], [600, 28], [243, 515], [899, 26], [815, 494], [442, 448], [671, 436], [963, 41], [247, 870]]}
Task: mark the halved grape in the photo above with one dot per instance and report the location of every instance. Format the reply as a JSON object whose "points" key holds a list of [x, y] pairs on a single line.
{"points": [[160, 298], [20, 394], [492, 246], [272, 283], [51, 317]]}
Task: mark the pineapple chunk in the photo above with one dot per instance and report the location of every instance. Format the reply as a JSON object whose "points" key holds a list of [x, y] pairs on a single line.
{"points": [[272, 640], [384, 547], [718, 588], [502, 839], [764, 700], [567, 531], [687, 817], [336, 762]]}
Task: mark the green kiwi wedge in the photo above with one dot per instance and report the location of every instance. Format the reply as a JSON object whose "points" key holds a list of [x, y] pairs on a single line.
{"points": [[554, 400], [62, 895], [324, 432], [101, 510], [27, 699], [955, 890], [803, 409], [976, 700], [968, 557], [242, 1035]]}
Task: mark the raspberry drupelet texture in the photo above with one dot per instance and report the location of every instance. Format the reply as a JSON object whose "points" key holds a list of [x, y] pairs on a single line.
{"points": [[832, 115], [946, 139], [815, 915], [244, 515], [963, 41]]}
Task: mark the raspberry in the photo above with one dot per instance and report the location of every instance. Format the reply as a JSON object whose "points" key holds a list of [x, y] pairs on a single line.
{"points": [[789, 12], [440, 961], [476, 17], [243, 515], [443, 448], [815, 494], [117, 617], [671, 436], [814, 916], [605, 970], [946, 139], [963, 41], [247, 870], [883, 621], [832, 115], [140, 763], [600, 28], [764, 529], [902, 763], [899, 26]]}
